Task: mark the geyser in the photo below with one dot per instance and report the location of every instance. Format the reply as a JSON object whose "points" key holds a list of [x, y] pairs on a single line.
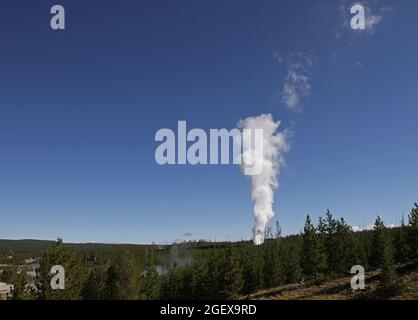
{"points": [[263, 185]]}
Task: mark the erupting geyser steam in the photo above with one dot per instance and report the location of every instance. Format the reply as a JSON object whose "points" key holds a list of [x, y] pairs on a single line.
{"points": [[264, 184]]}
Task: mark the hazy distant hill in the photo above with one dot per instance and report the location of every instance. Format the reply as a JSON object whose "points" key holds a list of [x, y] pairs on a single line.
{"points": [[20, 249], [26, 247]]}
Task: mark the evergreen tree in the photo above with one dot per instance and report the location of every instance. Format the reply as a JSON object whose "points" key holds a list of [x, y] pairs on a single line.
{"points": [[322, 230], [18, 291], [233, 282], [170, 285], [150, 284], [215, 262], [75, 273], [361, 247], [278, 260], [271, 266], [378, 242], [122, 278], [200, 280], [249, 271], [344, 248], [401, 243], [293, 271], [278, 230], [412, 233], [322, 237], [388, 276], [311, 261], [330, 242], [185, 278], [8, 274], [95, 285], [339, 248]]}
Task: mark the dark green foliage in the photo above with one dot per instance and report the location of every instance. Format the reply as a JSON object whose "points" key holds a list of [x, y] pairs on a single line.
{"points": [[222, 270], [96, 283], [412, 232], [361, 248], [271, 263], [251, 272], [200, 280], [150, 286], [401, 244], [8, 274], [330, 242], [293, 271], [378, 243], [75, 273], [386, 261], [338, 244], [345, 247], [388, 276], [232, 279], [19, 291], [312, 261], [122, 278]]}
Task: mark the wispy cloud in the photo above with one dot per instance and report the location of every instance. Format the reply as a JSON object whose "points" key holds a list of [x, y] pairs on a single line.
{"points": [[358, 229], [372, 21], [371, 227], [359, 64], [297, 83]]}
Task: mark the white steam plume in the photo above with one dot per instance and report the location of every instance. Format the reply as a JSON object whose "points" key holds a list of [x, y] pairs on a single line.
{"points": [[264, 184]]}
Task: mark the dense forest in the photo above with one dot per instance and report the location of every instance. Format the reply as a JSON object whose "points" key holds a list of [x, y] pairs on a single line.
{"points": [[205, 270]]}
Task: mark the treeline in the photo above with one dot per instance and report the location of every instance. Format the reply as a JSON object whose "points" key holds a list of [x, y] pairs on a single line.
{"points": [[324, 250]]}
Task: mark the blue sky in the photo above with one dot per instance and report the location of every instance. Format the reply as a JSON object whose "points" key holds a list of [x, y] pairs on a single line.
{"points": [[79, 109]]}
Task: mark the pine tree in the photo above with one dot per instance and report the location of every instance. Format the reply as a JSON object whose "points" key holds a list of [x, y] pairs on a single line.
{"points": [[122, 278], [388, 276], [322, 236], [170, 285], [185, 285], [7, 274], [412, 233], [378, 242], [112, 283], [18, 291], [95, 285], [361, 245], [401, 244], [344, 247], [215, 262], [278, 229], [150, 284], [278, 234], [321, 229], [233, 282], [293, 271], [269, 253], [200, 280], [330, 242], [75, 273], [249, 271], [311, 260]]}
